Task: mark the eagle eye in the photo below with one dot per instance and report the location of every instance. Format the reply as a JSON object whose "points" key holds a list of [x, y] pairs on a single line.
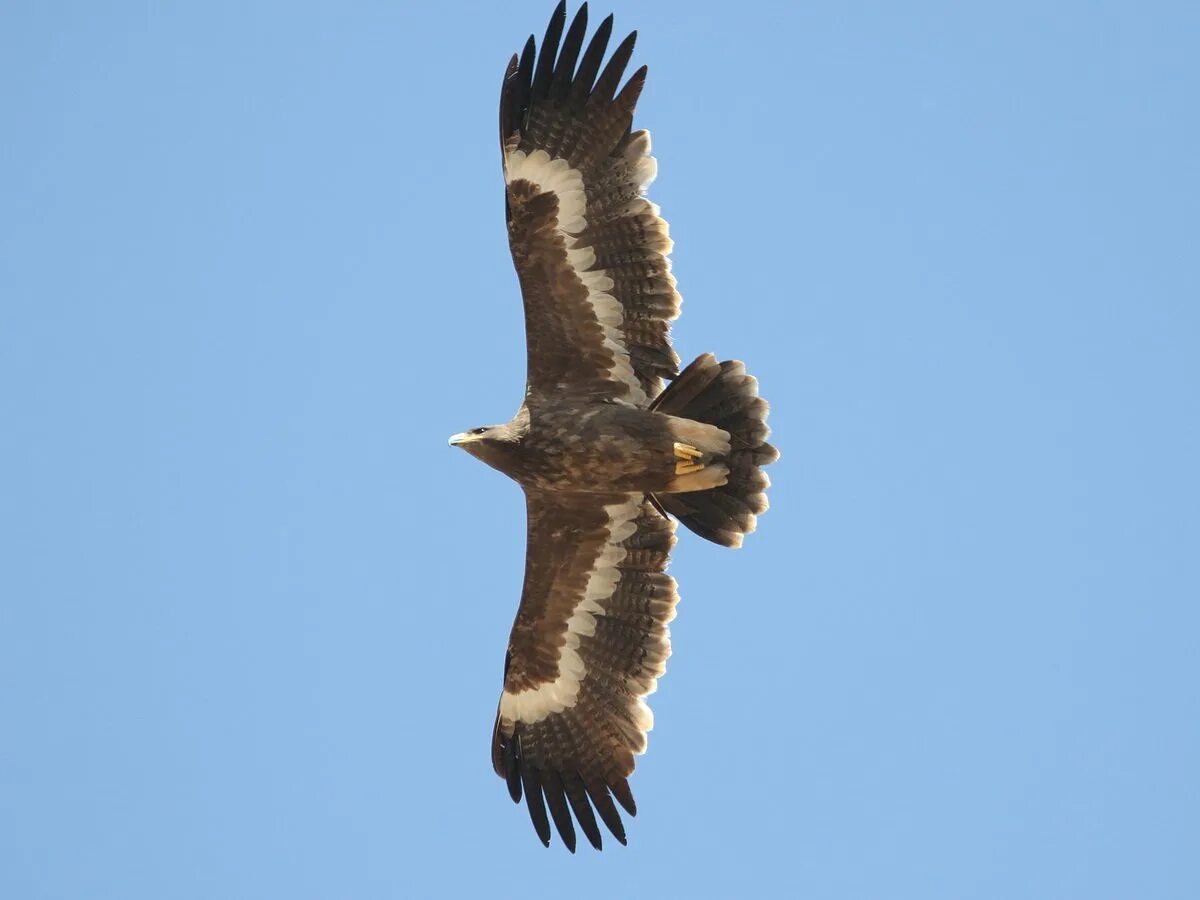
{"points": [[478, 430]]}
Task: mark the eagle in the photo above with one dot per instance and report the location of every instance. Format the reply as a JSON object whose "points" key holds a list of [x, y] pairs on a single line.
{"points": [[613, 443]]}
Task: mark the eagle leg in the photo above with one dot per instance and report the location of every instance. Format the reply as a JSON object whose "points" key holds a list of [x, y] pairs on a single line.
{"points": [[687, 459]]}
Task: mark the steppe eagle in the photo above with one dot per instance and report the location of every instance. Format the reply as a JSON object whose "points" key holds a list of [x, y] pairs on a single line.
{"points": [[607, 458]]}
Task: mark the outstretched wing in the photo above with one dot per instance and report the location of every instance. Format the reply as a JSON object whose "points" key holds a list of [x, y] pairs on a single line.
{"points": [[589, 642], [589, 249]]}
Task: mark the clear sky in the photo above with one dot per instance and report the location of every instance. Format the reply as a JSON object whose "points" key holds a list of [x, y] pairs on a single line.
{"points": [[253, 610]]}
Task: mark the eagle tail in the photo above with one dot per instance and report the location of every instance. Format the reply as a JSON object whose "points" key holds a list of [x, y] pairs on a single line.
{"points": [[722, 394]]}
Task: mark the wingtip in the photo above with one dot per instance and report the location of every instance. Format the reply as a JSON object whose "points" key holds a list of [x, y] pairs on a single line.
{"points": [[559, 14], [620, 790]]}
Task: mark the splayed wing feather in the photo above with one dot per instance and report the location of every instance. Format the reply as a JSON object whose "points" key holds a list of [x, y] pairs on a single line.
{"points": [[577, 795]]}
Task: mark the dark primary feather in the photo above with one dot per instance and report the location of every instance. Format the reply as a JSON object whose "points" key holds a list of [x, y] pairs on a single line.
{"points": [[515, 90], [545, 64], [556, 798], [564, 69], [585, 77], [512, 769], [533, 799], [603, 90], [577, 795], [598, 793], [624, 796]]}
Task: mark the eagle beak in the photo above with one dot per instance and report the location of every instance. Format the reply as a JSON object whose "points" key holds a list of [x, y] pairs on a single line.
{"points": [[461, 438]]}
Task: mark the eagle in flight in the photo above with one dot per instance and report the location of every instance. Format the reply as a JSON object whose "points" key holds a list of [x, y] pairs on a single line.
{"points": [[609, 460]]}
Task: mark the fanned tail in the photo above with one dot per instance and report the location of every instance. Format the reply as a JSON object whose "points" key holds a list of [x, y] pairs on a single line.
{"points": [[722, 394]]}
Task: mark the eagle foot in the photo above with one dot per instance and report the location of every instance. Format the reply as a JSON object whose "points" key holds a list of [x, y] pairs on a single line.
{"points": [[686, 459]]}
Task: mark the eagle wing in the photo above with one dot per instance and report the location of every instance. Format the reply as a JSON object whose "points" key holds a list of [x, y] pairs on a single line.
{"points": [[589, 642], [589, 249]]}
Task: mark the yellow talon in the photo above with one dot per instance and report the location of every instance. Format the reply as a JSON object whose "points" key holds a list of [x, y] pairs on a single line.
{"points": [[687, 459]]}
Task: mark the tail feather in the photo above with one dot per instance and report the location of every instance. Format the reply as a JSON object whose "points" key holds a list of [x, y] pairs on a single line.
{"points": [[722, 394]]}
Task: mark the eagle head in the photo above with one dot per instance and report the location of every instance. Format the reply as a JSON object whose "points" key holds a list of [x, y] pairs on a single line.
{"points": [[494, 444]]}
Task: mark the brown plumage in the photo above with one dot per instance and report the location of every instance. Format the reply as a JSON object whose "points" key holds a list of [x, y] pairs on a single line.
{"points": [[606, 456]]}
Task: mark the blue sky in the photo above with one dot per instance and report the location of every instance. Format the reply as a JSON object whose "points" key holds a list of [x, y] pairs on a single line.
{"points": [[253, 609]]}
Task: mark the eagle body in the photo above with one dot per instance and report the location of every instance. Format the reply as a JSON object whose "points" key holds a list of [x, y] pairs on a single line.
{"points": [[613, 444], [571, 444]]}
